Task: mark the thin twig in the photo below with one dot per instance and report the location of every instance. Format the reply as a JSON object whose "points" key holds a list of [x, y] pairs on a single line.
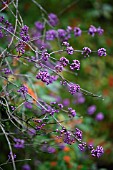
{"points": [[9, 144]]}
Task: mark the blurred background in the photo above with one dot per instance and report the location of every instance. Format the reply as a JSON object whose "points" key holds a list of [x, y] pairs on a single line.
{"points": [[95, 75]]}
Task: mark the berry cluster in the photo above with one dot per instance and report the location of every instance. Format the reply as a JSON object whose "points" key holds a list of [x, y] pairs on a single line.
{"points": [[46, 77], [5, 27], [19, 143]]}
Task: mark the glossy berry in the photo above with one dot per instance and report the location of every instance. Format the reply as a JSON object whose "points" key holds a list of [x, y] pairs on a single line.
{"points": [[86, 51], [75, 65], [70, 50], [77, 31], [102, 52], [53, 19], [92, 30]]}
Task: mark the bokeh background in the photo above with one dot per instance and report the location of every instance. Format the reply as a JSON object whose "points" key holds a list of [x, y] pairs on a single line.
{"points": [[95, 75]]}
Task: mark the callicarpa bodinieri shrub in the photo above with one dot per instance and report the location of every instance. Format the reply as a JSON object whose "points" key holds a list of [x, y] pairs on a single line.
{"points": [[28, 58]]}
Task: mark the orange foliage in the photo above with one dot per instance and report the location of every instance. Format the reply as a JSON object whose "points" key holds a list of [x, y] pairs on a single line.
{"points": [[31, 92], [90, 141], [15, 61], [74, 122], [67, 159], [57, 140], [108, 151], [66, 149], [111, 81], [79, 167], [88, 69], [54, 163], [109, 42], [105, 92], [40, 83]]}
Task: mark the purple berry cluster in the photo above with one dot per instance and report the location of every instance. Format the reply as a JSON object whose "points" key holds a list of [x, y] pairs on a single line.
{"points": [[78, 134], [53, 19], [28, 105], [70, 50], [51, 35], [91, 110], [45, 55], [24, 33], [59, 68], [102, 52], [23, 89], [98, 152], [11, 156], [21, 47], [92, 30], [39, 26], [75, 65], [64, 61], [5, 27], [39, 127], [6, 71], [26, 167], [19, 143], [86, 51], [74, 88], [46, 77], [82, 146], [72, 112], [66, 136], [77, 31]]}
